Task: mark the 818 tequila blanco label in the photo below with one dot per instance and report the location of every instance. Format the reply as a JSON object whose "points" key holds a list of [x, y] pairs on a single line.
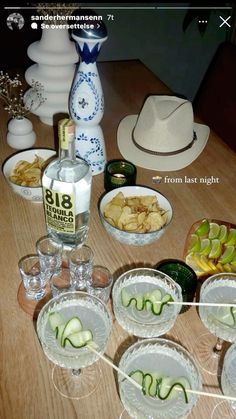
{"points": [[59, 211]]}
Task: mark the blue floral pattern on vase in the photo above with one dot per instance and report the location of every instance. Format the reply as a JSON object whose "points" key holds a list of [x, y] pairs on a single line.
{"points": [[80, 103], [87, 55], [93, 152]]}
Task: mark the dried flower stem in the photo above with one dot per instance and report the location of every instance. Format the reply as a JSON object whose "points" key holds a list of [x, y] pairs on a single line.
{"points": [[56, 9], [12, 94]]}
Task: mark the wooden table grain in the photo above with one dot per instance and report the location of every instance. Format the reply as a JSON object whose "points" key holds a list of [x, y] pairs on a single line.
{"points": [[26, 390]]}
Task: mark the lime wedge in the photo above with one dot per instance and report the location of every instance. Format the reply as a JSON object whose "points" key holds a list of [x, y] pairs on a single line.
{"points": [[223, 234], [231, 240], [205, 247], [228, 255], [195, 243], [215, 249], [203, 228], [214, 231]]}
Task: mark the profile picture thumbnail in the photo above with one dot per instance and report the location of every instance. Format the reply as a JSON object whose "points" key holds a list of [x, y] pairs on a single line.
{"points": [[15, 21]]}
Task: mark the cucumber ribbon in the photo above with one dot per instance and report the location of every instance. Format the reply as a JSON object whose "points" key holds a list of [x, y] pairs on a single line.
{"points": [[154, 385], [153, 301]]}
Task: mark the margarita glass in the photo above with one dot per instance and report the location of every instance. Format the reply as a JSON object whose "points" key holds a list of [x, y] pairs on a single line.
{"points": [[164, 358], [144, 321], [75, 374], [219, 319], [228, 386]]}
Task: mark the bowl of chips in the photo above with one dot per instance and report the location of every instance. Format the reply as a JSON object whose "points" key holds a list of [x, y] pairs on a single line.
{"points": [[135, 215], [23, 172]]}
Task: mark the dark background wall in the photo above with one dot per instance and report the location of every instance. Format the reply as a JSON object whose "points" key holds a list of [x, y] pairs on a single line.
{"points": [[156, 37]]}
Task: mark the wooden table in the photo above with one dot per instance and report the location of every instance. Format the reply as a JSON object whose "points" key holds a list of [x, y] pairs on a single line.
{"points": [[27, 391]]}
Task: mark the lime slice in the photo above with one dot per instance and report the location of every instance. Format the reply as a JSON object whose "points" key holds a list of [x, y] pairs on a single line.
{"points": [[205, 247], [228, 255], [195, 243], [231, 241], [203, 228], [215, 249], [223, 234], [214, 231]]}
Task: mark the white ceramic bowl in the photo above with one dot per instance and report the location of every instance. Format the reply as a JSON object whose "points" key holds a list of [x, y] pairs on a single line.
{"points": [[34, 194], [131, 238]]}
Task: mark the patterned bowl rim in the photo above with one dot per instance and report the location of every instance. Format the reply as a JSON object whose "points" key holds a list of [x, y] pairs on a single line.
{"points": [[132, 232]]}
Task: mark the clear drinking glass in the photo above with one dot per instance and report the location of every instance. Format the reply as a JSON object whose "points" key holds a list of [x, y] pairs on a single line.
{"points": [[227, 408], [100, 283], [50, 254], [219, 291], [34, 279], [81, 264], [75, 374], [228, 376], [163, 358], [61, 282], [143, 322]]}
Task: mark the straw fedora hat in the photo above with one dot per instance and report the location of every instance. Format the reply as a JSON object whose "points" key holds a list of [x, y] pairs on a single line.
{"points": [[163, 136]]}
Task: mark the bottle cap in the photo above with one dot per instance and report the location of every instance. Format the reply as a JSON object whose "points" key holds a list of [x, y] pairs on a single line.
{"points": [[66, 132]]}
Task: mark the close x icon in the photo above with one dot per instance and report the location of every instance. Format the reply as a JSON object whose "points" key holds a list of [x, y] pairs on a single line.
{"points": [[225, 21]]}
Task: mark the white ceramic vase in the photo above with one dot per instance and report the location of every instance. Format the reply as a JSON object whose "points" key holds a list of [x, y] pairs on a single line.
{"points": [[86, 104], [20, 133], [55, 57]]}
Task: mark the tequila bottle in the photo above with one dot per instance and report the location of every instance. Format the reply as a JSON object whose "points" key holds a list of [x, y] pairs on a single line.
{"points": [[66, 185]]}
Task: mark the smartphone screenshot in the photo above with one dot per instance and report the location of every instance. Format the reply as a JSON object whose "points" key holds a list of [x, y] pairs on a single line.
{"points": [[118, 225]]}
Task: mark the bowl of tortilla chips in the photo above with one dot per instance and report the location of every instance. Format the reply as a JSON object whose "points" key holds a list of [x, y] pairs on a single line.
{"points": [[135, 215], [23, 172]]}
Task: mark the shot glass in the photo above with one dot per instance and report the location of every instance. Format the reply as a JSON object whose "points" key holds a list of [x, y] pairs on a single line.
{"points": [[184, 275], [50, 255], [80, 265], [33, 278], [100, 283], [61, 282]]}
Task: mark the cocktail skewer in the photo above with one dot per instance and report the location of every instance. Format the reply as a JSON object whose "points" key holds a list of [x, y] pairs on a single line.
{"points": [[185, 303], [132, 381], [109, 362], [204, 393]]}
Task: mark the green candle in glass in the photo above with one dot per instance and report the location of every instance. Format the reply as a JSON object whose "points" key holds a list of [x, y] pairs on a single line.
{"points": [[183, 274], [119, 173]]}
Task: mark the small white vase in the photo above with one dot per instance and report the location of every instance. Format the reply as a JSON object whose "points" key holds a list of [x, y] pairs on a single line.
{"points": [[20, 133]]}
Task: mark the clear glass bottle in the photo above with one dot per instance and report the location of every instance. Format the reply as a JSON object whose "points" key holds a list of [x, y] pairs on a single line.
{"points": [[66, 185]]}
